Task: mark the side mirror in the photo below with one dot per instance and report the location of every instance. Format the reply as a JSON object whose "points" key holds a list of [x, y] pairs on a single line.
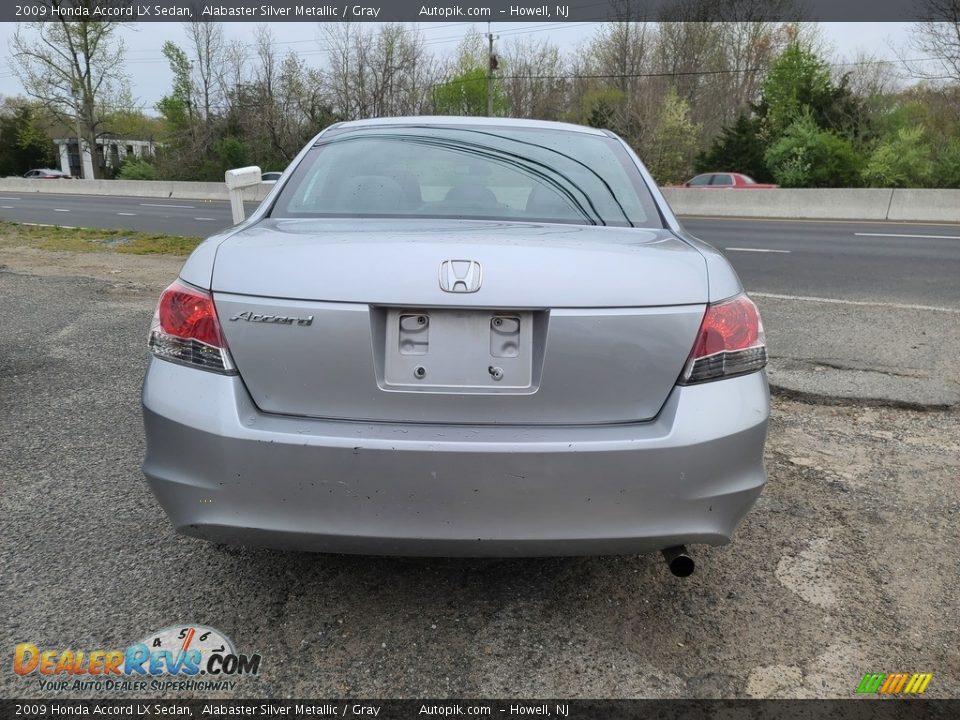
{"points": [[236, 181]]}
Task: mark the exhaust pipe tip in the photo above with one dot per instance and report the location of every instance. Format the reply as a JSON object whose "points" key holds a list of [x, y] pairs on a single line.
{"points": [[679, 562]]}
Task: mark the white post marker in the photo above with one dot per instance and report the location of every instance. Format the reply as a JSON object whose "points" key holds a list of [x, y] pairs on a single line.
{"points": [[236, 181]]}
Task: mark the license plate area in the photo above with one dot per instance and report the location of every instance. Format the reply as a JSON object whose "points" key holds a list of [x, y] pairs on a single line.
{"points": [[459, 350]]}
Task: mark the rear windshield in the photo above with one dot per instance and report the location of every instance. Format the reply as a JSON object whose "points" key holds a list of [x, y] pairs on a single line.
{"points": [[483, 173]]}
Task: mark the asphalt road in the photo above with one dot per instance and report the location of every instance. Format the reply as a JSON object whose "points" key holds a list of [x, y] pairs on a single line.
{"points": [[860, 261], [173, 216], [844, 567]]}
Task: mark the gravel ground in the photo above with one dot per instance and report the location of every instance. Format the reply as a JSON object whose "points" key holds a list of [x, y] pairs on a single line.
{"points": [[847, 565]]}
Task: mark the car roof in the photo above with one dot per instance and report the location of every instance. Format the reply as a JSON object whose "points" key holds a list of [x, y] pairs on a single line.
{"points": [[457, 120]]}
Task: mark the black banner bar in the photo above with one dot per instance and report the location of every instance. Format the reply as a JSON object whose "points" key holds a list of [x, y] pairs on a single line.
{"points": [[425, 11], [860, 709]]}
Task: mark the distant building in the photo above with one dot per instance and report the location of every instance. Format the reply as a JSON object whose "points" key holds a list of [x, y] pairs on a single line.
{"points": [[111, 152]]}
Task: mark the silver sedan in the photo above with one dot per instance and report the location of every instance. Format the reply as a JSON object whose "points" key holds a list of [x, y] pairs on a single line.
{"points": [[458, 336]]}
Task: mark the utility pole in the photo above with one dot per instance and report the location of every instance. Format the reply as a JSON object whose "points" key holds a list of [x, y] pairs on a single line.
{"points": [[491, 66]]}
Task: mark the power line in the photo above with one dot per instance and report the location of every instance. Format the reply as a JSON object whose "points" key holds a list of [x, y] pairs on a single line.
{"points": [[672, 73], [659, 74], [275, 43]]}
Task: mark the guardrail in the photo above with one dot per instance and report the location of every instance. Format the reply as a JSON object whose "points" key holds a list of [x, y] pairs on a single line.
{"points": [[826, 204]]}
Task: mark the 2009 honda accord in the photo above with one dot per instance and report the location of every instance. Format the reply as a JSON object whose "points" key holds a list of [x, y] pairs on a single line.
{"points": [[458, 336]]}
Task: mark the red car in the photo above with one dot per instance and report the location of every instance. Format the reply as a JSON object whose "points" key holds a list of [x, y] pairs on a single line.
{"points": [[728, 181]]}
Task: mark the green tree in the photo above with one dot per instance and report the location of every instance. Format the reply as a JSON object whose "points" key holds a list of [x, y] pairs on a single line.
{"points": [[600, 108], [76, 69], [186, 150], [947, 167], [738, 148], [137, 170], [902, 160], [133, 124], [675, 140], [808, 156], [800, 81], [232, 152], [797, 79], [466, 94], [177, 107], [24, 144]]}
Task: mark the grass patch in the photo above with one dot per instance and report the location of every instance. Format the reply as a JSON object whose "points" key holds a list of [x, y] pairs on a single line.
{"points": [[92, 240]]}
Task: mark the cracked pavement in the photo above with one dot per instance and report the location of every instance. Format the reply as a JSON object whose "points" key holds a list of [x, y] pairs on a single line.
{"points": [[846, 565], [864, 354]]}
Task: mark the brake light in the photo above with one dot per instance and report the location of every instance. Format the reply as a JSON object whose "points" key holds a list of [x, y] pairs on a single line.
{"points": [[730, 342], [186, 330]]}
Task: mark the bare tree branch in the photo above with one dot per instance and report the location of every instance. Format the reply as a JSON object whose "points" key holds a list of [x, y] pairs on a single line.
{"points": [[74, 68]]}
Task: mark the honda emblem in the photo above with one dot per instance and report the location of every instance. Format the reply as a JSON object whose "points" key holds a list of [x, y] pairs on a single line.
{"points": [[460, 276]]}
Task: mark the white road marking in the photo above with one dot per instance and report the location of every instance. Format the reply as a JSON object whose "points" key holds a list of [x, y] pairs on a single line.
{"points": [[736, 249], [9, 198], [7, 207], [165, 205], [204, 218], [65, 227], [864, 303], [128, 214], [60, 210], [934, 237]]}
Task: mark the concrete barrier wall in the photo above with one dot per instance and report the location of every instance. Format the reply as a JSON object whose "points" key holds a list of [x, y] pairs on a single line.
{"points": [[832, 204], [929, 205], [133, 188], [838, 204], [827, 204]]}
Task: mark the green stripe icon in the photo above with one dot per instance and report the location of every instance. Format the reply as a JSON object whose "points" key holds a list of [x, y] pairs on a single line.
{"points": [[871, 682]]}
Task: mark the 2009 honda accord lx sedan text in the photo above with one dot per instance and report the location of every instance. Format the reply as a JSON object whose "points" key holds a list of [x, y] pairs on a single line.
{"points": [[458, 336]]}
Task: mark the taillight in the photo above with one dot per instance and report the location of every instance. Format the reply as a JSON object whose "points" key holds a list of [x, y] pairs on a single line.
{"points": [[186, 330], [730, 342]]}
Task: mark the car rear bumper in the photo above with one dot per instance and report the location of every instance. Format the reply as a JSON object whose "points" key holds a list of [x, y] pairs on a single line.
{"points": [[224, 471]]}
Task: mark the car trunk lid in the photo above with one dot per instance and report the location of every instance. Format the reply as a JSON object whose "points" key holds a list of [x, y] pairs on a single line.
{"points": [[349, 320]]}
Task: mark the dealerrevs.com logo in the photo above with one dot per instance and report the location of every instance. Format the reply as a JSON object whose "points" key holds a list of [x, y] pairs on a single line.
{"points": [[188, 657]]}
